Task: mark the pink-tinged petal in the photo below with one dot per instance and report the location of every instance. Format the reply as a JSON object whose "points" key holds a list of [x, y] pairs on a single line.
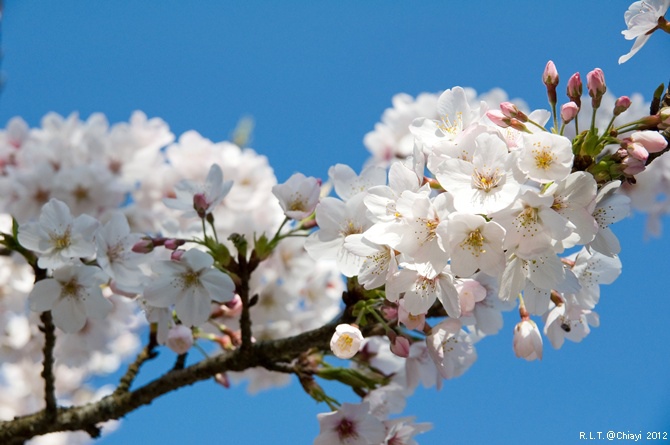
{"points": [[44, 295], [69, 315]]}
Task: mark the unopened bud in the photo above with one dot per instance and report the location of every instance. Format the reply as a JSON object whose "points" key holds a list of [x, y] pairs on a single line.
{"points": [[569, 111], [498, 118], [145, 245], [622, 104], [222, 379], [400, 346], [173, 243], [550, 79], [200, 204], [177, 254], [179, 339], [595, 82], [510, 110], [575, 89]]}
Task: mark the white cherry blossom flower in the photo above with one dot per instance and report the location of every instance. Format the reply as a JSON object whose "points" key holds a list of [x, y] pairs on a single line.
{"points": [[486, 184], [455, 116], [348, 184], [420, 291], [569, 320], [200, 199], [337, 220], [72, 296], [531, 225], [57, 237], [527, 342], [474, 243], [346, 341], [379, 262], [611, 207], [115, 256], [642, 19], [350, 425], [451, 348], [545, 157], [298, 196], [190, 284]]}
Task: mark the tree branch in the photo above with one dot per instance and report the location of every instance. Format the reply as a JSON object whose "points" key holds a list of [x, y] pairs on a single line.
{"points": [[86, 417], [47, 370]]}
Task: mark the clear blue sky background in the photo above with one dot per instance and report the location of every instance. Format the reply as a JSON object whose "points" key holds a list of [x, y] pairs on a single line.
{"points": [[316, 76]]}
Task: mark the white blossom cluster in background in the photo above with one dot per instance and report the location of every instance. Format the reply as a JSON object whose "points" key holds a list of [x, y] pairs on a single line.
{"points": [[102, 207]]}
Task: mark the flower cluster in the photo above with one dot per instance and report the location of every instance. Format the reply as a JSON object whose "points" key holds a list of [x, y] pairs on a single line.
{"points": [[469, 207]]}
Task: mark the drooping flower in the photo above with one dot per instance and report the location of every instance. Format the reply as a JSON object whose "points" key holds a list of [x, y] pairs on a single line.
{"points": [[527, 341], [642, 19]]}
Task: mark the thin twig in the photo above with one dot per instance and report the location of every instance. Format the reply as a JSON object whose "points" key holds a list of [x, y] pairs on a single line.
{"points": [[47, 369], [147, 353]]}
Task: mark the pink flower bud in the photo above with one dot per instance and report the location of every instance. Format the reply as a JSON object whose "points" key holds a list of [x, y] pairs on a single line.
{"points": [[510, 110], [569, 111], [173, 243], [550, 79], [179, 339], [622, 104], [177, 254], [652, 141], [145, 245], [550, 75], [633, 166], [575, 89], [233, 308], [637, 151], [498, 118], [200, 204], [222, 379], [527, 342], [400, 346], [390, 312], [595, 82]]}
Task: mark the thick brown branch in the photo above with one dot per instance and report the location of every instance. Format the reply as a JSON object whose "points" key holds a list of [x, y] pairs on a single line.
{"points": [[120, 403]]}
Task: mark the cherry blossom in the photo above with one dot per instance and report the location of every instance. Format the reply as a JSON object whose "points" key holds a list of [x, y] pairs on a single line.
{"points": [[642, 18], [57, 237], [72, 296], [190, 284], [346, 341]]}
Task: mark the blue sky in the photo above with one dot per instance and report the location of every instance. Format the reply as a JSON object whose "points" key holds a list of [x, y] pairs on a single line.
{"points": [[316, 76]]}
